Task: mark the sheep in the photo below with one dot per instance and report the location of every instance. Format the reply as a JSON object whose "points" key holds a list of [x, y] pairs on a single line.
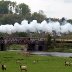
{"points": [[70, 63], [23, 67], [67, 63], [26, 54], [18, 62], [3, 67], [35, 61]]}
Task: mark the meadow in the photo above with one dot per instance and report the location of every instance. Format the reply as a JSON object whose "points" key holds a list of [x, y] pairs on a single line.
{"points": [[44, 64]]}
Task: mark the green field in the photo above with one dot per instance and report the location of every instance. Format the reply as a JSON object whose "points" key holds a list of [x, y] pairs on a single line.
{"points": [[44, 64]]}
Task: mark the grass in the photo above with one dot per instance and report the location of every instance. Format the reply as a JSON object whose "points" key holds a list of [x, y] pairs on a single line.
{"points": [[16, 47], [69, 50], [44, 64]]}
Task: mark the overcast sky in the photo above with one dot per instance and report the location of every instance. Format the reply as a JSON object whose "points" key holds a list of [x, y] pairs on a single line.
{"points": [[52, 8]]}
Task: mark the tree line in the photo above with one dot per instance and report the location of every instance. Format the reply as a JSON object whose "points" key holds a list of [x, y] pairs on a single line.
{"points": [[10, 13]]}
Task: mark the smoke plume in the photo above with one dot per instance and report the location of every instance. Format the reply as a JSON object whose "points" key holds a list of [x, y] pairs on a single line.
{"points": [[37, 27]]}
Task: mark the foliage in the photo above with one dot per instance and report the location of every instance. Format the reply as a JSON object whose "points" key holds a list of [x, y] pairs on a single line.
{"points": [[17, 34], [38, 16], [24, 9], [49, 41], [52, 19], [70, 21], [21, 34], [4, 7], [3, 34], [11, 19], [16, 47]]}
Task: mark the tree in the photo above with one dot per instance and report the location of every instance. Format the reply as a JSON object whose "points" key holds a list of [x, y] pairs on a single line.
{"points": [[4, 7], [24, 9], [49, 41], [62, 21], [7, 7], [38, 16], [21, 34], [11, 19], [70, 21], [12, 7]]}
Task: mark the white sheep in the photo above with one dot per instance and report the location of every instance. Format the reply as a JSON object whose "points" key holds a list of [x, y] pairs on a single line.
{"points": [[18, 62], [3, 67], [35, 61], [67, 63], [23, 67], [70, 63]]}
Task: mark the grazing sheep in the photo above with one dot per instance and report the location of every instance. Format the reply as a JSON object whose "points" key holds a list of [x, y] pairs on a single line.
{"points": [[67, 63], [70, 63], [35, 61], [23, 67], [26, 53], [3, 67], [18, 62]]}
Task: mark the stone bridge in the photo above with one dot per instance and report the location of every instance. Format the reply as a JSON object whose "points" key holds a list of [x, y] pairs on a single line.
{"points": [[33, 43]]}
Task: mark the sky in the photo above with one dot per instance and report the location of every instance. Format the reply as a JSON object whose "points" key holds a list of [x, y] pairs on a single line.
{"points": [[51, 8]]}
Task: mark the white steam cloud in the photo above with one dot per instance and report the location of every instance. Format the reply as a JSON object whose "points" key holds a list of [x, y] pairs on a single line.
{"points": [[37, 27]]}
